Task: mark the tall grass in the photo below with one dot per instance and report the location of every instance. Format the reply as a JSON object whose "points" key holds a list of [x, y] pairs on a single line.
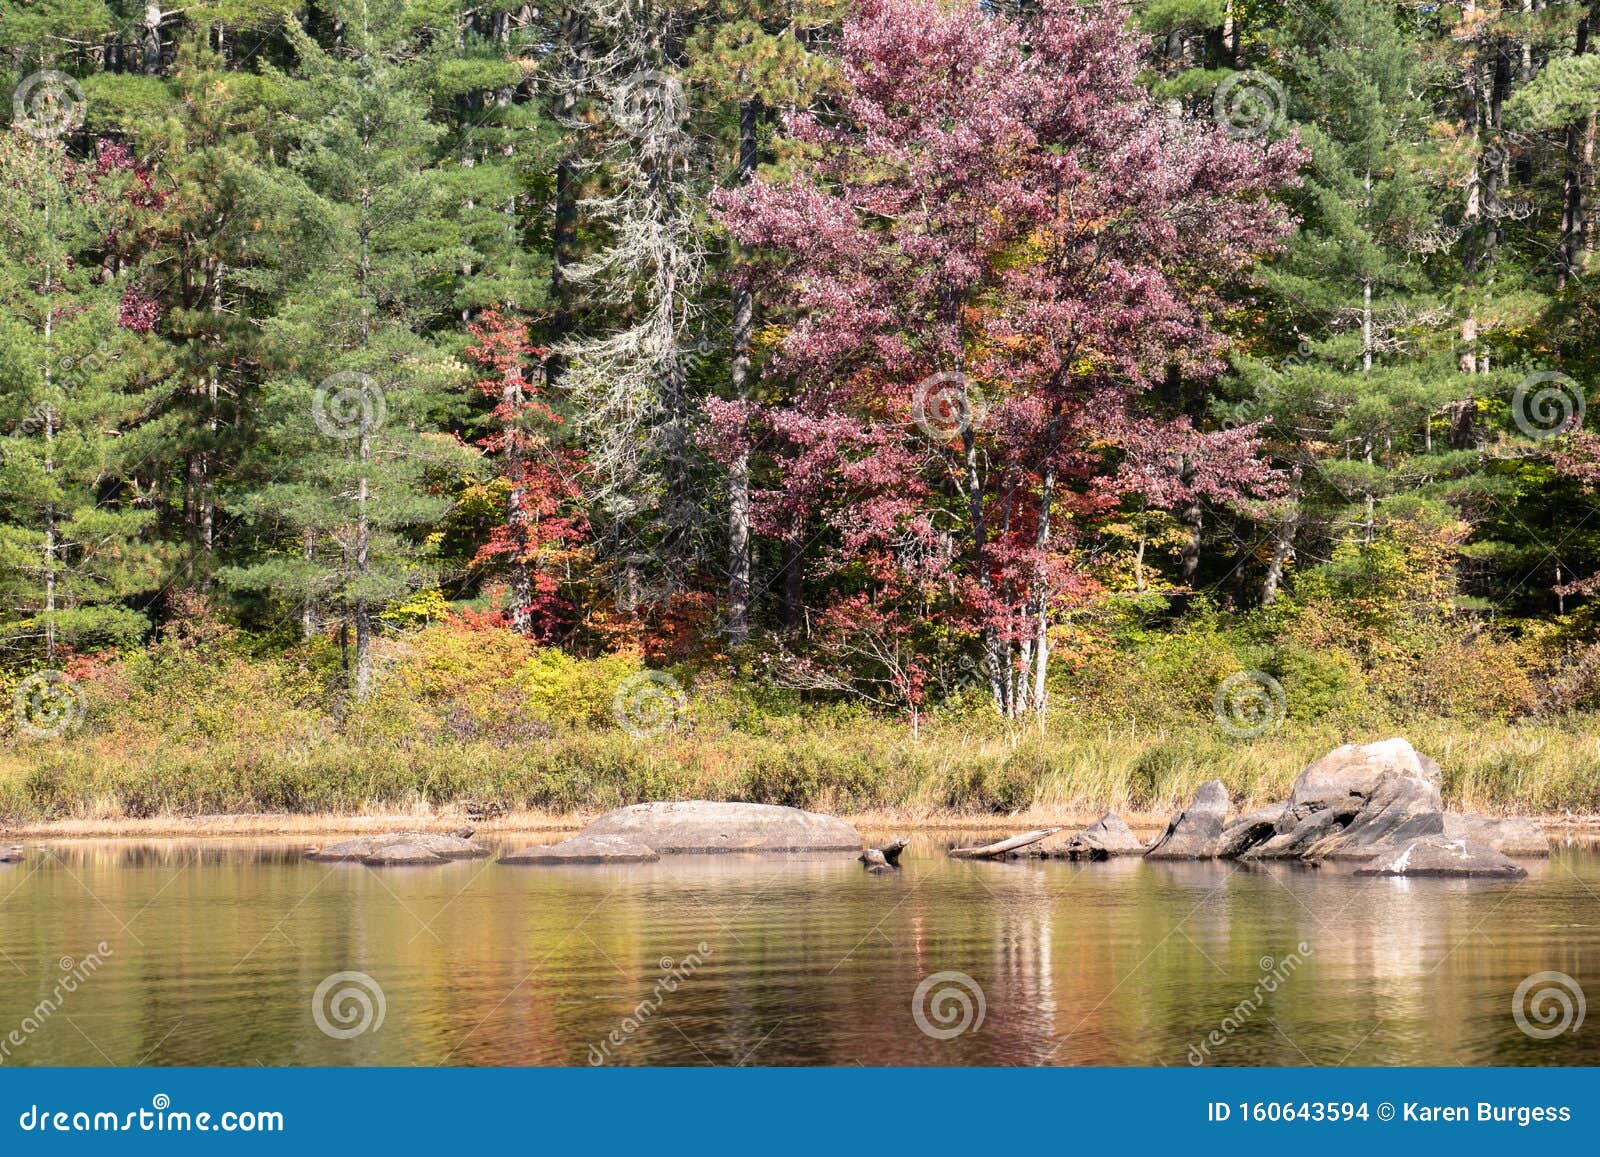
{"points": [[488, 720], [856, 767]]}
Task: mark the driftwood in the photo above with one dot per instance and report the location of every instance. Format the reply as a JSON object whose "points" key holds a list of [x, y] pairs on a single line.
{"points": [[990, 851]]}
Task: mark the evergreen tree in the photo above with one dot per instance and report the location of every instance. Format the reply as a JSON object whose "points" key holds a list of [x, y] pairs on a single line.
{"points": [[78, 372]]}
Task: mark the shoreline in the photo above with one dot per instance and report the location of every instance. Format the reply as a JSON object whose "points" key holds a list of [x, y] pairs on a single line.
{"points": [[322, 824]]}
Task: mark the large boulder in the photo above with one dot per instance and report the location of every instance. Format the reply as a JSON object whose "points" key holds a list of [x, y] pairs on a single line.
{"points": [[1354, 771], [1510, 836], [1440, 855], [586, 850], [1196, 832], [1398, 808], [367, 849], [701, 826], [1108, 836], [11, 855]]}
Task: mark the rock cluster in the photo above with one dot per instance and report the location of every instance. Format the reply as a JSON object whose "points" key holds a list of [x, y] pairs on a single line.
{"points": [[1375, 802]]}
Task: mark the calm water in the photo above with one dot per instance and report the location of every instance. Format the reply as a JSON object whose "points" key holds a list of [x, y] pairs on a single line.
{"points": [[216, 953]]}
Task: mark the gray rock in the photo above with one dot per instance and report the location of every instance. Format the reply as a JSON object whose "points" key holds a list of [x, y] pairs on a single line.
{"points": [[365, 848], [1442, 856], [700, 826], [1249, 830], [11, 855], [1353, 770], [1510, 836], [1196, 832], [586, 850], [1108, 836], [1400, 808], [399, 855], [1305, 834]]}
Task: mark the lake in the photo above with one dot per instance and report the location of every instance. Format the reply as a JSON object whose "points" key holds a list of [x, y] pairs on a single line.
{"points": [[195, 953]]}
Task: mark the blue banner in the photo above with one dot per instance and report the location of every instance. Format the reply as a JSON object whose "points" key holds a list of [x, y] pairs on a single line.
{"points": [[799, 1111]]}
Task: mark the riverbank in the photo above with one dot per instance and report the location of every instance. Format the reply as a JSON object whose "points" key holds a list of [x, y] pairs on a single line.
{"points": [[972, 771], [558, 825]]}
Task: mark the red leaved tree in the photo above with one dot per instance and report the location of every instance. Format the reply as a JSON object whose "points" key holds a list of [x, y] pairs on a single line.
{"points": [[986, 251], [544, 523]]}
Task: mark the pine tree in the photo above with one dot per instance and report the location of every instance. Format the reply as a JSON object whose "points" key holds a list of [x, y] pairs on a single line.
{"points": [[354, 447], [78, 372]]}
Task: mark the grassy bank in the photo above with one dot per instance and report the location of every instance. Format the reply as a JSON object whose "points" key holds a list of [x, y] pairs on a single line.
{"points": [[865, 767], [463, 723]]}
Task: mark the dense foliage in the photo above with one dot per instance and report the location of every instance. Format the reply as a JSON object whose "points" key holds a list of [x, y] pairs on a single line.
{"points": [[917, 355]]}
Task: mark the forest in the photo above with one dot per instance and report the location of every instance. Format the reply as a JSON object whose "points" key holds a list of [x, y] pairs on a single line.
{"points": [[867, 404]]}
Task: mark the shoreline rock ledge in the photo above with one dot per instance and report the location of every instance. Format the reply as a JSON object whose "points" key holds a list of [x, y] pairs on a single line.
{"points": [[586, 850], [400, 849], [703, 827], [1377, 802]]}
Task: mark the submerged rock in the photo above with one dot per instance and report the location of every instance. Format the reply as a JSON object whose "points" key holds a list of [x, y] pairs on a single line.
{"points": [[1108, 836], [1439, 855], [11, 855], [377, 848], [1510, 836], [586, 850], [700, 826], [400, 854], [1196, 832]]}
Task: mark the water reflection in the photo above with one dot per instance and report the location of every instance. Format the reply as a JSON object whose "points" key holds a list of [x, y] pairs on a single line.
{"points": [[215, 950]]}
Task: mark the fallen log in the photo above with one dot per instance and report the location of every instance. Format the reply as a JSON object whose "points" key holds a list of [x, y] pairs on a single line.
{"points": [[990, 851]]}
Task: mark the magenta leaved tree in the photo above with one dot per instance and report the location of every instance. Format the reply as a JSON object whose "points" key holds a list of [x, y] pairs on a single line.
{"points": [[984, 254]]}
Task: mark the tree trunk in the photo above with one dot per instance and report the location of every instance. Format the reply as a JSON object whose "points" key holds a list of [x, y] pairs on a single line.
{"points": [[739, 382], [363, 608], [308, 609], [794, 579], [1575, 190], [1282, 552], [564, 234], [1193, 519], [519, 575]]}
